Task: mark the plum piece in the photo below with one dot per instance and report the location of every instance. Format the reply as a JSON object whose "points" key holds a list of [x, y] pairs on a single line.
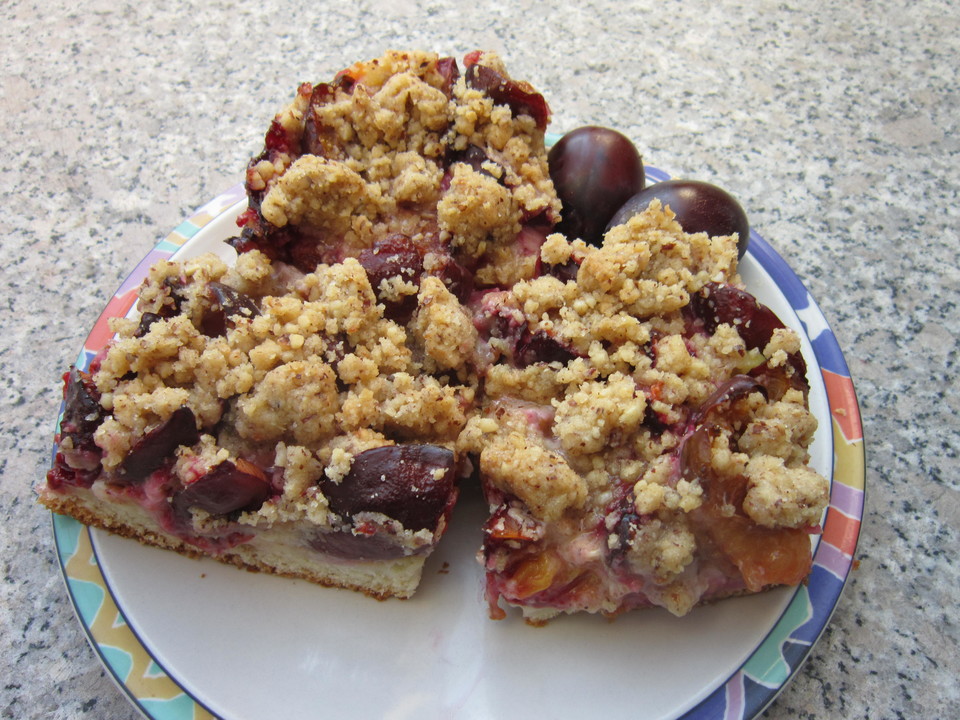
{"points": [[564, 272], [737, 387], [77, 463], [650, 347], [475, 157], [457, 278], [393, 256], [226, 488], [535, 574], [63, 474], [777, 380], [225, 304], [519, 97], [344, 544], [624, 530], [450, 72], [301, 248], [540, 346], [718, 303], [174, 288], [413, 484], [319, 138], [153, 449], [278, 139], [345, 80], [764, 556], [82, 413], [694, 454], [147, 320]]}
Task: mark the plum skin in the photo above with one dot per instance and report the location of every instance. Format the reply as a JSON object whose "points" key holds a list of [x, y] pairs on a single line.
{"points": [[698, 206], [594, 171], [413, 484]]}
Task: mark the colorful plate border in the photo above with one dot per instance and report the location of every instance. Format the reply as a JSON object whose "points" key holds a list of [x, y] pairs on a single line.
{"points": [[744, 695]]}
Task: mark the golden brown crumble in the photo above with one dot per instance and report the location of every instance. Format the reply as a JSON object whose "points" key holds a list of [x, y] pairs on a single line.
{"points": [[308, 378], [381, 156]]}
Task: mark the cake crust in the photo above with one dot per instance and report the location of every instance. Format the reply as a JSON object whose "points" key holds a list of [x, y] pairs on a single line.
{"points": [[378, 579]]}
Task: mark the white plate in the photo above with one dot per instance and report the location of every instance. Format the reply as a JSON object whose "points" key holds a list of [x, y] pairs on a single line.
{"points": [[187, 638]]}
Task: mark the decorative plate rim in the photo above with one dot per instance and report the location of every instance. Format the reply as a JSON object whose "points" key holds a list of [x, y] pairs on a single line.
{"points": [[745, 694]]}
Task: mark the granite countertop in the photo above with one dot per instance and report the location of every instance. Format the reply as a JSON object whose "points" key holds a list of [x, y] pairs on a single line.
{"points": [[835, 123]]}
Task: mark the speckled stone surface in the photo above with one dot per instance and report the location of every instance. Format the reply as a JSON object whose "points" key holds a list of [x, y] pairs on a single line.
{"points": [[834, 122]]}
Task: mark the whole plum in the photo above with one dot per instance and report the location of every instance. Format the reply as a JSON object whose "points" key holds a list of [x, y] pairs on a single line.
{"points": [[699, 207], [594, 170]]}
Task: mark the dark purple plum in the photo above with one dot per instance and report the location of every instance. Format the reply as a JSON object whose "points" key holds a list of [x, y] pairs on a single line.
{"points": [[154, 448], [414, 484], [77, 463], [695, 455], [147, 320], [450, 72], [542, 347], [718, 303], [82, 414], [226, 488], [225, 305], [699, 207], [518, 96], [318, 137], [565, 272], [475, 157], [457, 278], [594, 170], [393, 256], [345, 544]]}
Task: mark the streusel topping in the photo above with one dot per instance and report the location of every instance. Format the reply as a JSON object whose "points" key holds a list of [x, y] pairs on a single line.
{"points": [[310, 373], [403, 144]]}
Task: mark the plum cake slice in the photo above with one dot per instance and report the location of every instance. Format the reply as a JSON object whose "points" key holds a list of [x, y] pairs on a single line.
{"points": [[407, 151], [298, 412], [272, 420], [643, 435]]}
